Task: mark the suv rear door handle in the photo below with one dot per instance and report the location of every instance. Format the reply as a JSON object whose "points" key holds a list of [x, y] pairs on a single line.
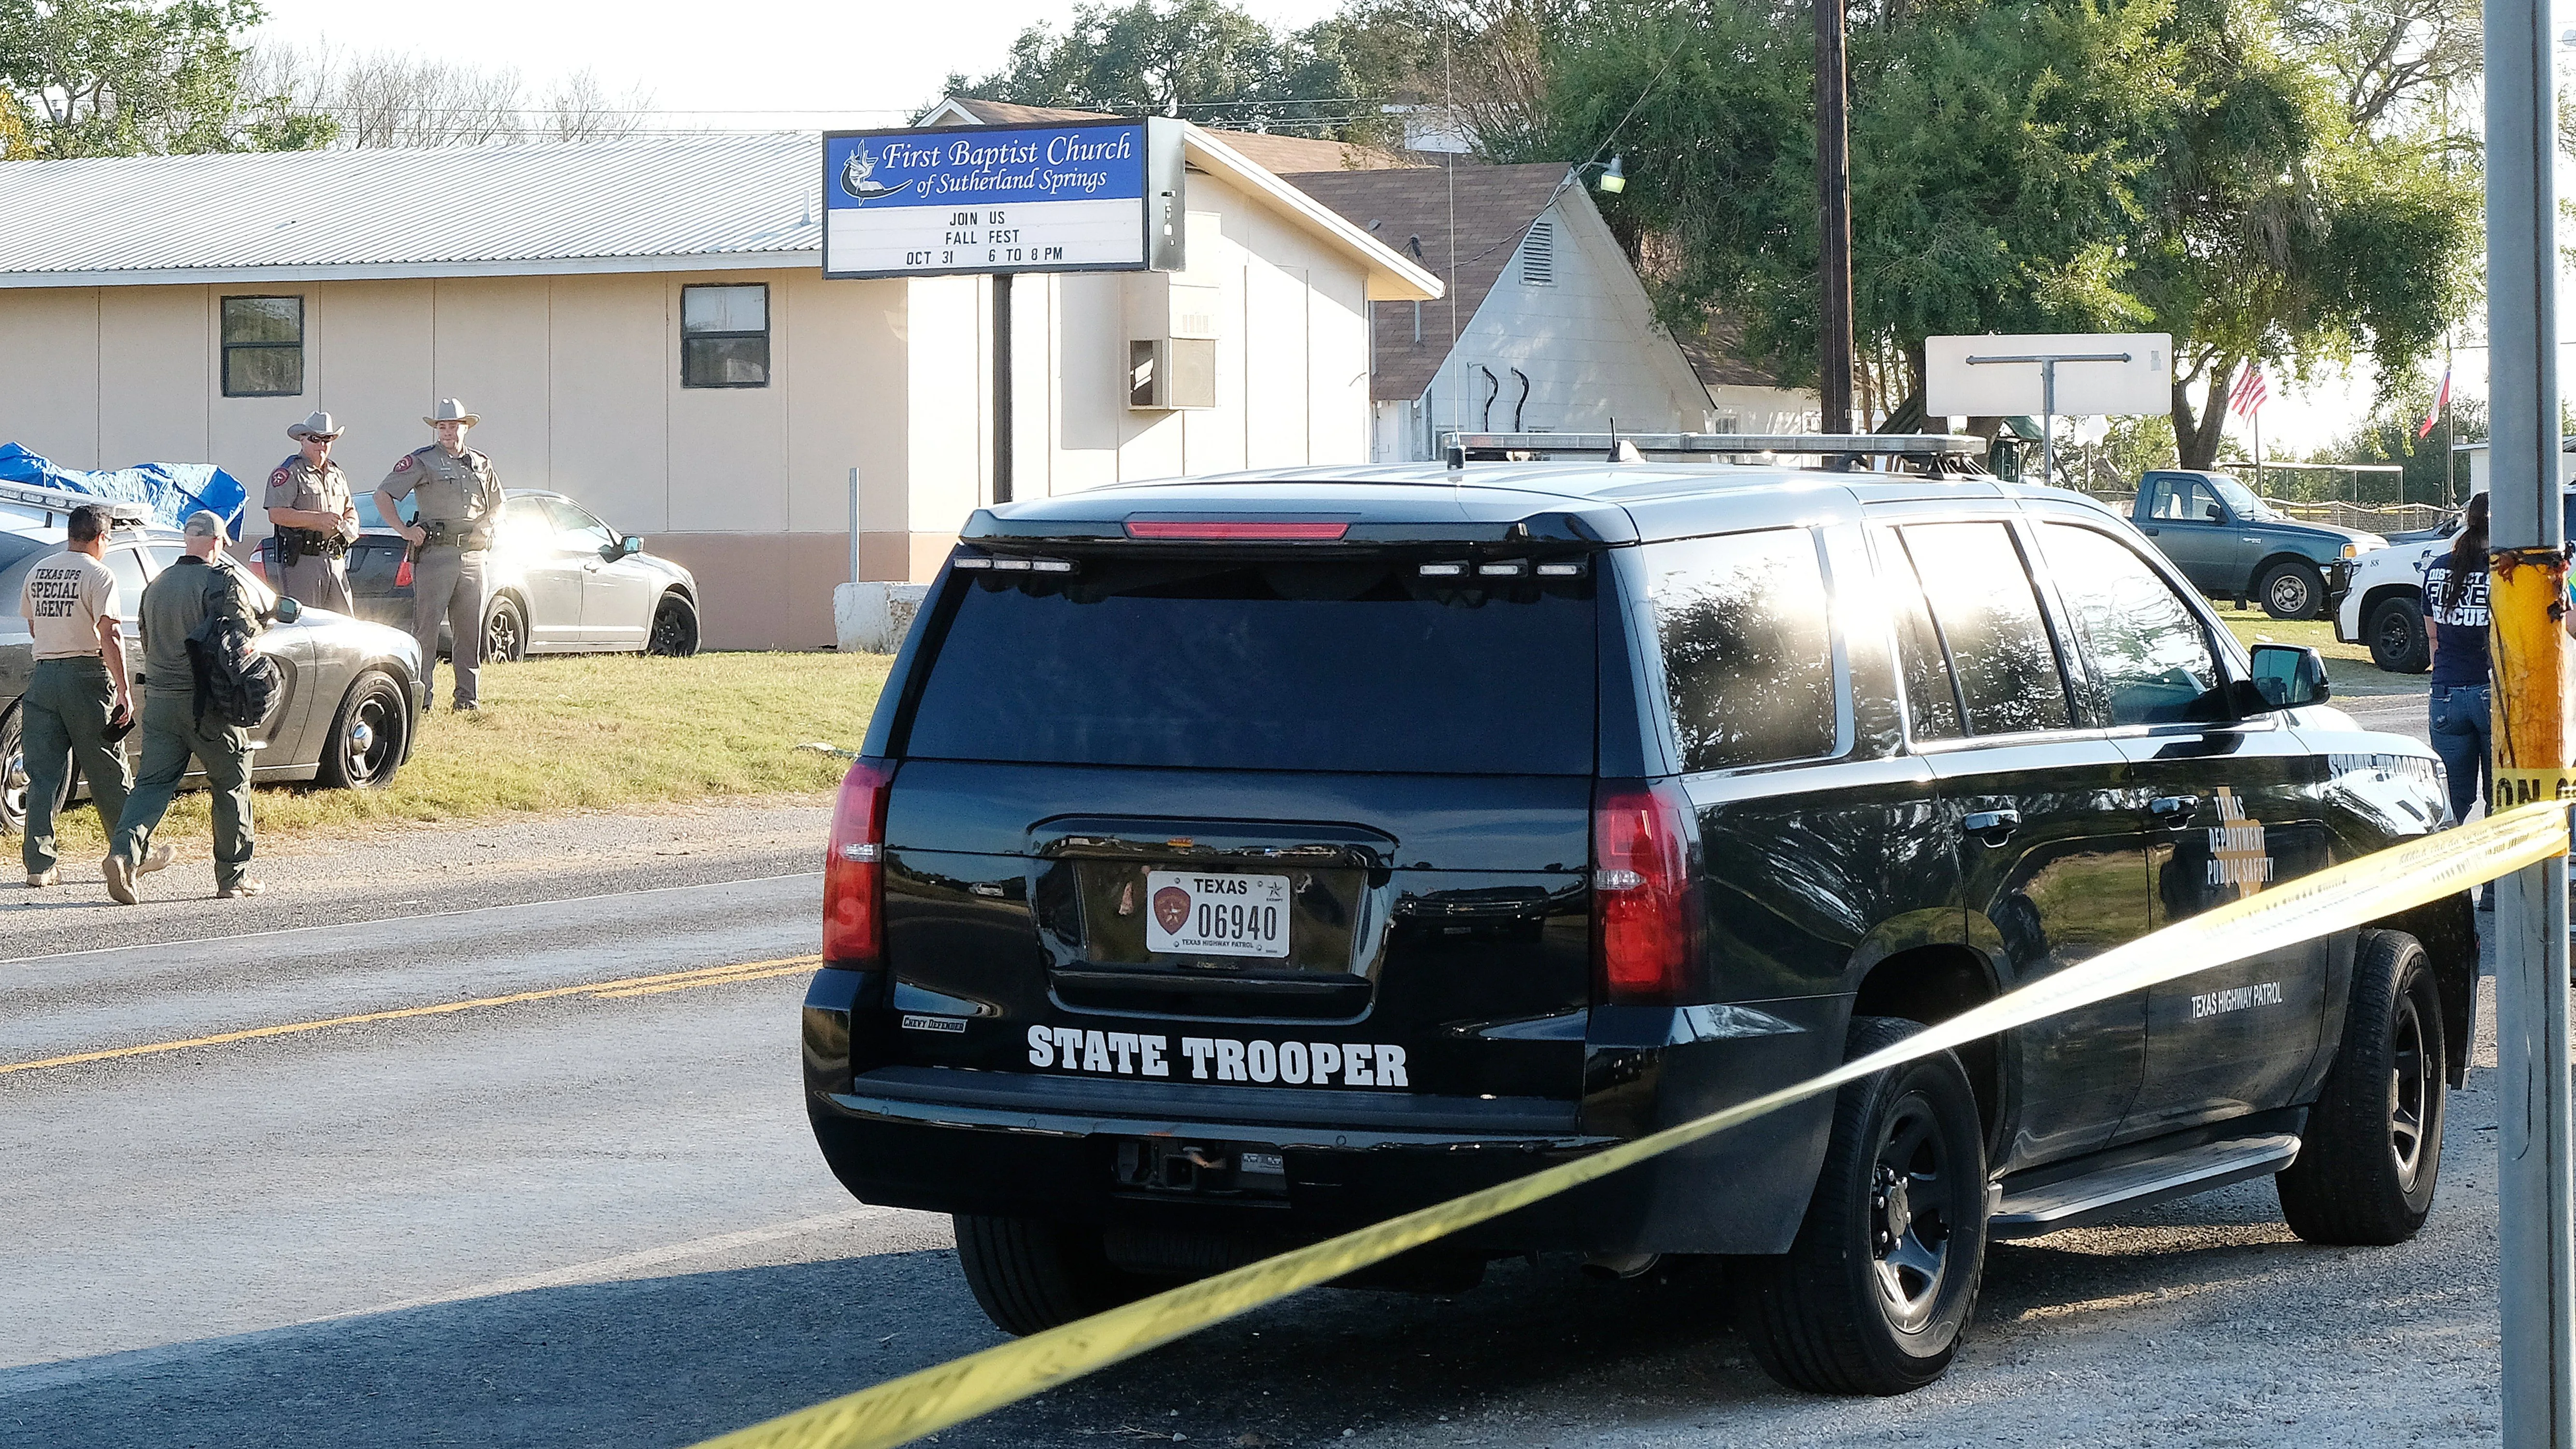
{"points": [[2174, 811], [1991, 827]]}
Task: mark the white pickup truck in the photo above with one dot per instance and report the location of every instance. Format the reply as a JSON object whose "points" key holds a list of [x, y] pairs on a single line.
{"points": [[2383, 606]]}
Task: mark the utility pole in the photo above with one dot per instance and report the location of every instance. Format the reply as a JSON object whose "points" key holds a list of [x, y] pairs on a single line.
{"points": [[1833, 203], [2537, 1242]]}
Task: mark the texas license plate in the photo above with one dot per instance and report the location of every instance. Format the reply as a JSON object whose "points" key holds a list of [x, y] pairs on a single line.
{"points": [[1216, 915]]}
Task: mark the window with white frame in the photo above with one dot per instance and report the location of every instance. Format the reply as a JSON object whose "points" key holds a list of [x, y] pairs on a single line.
{"points": [[724, 336]]}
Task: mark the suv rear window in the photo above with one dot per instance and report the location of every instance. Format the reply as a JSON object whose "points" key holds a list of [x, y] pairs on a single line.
{"points": [[1355, 665]]}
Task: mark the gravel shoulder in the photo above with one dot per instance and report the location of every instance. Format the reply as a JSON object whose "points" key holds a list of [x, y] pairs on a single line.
{"points": [[369, 873]]}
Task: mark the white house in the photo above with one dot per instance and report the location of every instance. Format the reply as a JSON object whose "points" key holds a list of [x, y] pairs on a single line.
{"points": [[644, 325], [1545, 328]]}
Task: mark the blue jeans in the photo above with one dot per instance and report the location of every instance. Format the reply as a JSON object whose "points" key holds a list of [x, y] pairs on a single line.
{"points": [[2461, 727]]}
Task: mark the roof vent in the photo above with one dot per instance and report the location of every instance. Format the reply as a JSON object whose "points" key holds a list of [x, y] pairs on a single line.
{"points": [[1538, 255]]}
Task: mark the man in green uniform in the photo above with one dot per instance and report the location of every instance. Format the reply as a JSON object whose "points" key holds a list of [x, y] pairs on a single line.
{"points": [[460, 506], [78, 692], [202, 582], [315, 518]]}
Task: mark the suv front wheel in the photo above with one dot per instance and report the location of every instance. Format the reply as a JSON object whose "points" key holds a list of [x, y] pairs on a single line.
{"points": [[1873, 1295], [2373, 1148]]}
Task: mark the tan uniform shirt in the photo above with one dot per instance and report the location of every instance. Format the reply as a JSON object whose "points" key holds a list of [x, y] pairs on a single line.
{"points": [[65, 597], [461, 491], [296, 483]]}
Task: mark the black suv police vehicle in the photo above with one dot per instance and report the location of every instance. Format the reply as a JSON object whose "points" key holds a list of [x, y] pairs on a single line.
{"points": [[1239, 860]]}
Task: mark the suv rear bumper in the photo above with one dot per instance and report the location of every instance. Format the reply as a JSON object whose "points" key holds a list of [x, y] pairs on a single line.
{"points": [[1013, 1145]]}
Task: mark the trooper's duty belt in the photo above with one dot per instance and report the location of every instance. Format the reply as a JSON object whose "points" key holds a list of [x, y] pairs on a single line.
{"points": [[295, 543], [445, 533]]}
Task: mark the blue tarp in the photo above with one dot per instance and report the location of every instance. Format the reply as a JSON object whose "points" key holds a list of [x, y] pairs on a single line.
{"points": [[171, 491]]}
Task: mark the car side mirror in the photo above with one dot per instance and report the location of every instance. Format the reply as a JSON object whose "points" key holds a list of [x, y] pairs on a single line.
{"points": [[286, 610], [2290, 675], [630, 545], [2214, 514]]}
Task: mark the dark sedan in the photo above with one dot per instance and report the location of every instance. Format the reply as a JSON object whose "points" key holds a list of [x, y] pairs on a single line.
{"points": [[562, 582]]}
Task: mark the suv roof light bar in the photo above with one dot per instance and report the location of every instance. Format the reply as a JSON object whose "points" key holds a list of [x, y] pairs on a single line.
{"points": [[1879, 445], [121, 514], [1240, 530]]}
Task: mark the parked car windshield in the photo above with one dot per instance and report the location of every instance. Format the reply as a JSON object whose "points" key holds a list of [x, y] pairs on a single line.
{"points": [[1358, 665], [2241, 500]]}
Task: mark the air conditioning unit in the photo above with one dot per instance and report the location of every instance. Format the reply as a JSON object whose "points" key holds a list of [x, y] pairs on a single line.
{"points": [[1171, 374]]}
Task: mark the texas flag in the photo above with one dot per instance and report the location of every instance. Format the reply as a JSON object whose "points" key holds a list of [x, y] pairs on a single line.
{"points": [[2441, 400]]}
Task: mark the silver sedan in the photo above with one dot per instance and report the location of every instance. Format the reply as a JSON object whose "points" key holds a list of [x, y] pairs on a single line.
{"points": [[352, 688]]}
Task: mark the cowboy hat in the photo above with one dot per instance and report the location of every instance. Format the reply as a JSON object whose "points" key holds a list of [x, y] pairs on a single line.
{"points": [[449, 410], [319, 425]]}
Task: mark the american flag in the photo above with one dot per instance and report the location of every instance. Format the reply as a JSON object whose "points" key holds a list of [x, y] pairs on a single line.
{"points": [[2250, 394]]}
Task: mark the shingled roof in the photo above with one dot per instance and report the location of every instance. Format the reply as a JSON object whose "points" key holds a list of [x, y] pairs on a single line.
{"points": [[1493, 207], [1266, 149]]}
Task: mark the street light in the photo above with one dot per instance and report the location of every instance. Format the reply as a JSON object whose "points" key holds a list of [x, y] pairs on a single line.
{"points": [[1614, 179]]}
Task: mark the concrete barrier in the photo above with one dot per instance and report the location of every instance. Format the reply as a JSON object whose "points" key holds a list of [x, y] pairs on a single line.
{"points": [[872, 618]]}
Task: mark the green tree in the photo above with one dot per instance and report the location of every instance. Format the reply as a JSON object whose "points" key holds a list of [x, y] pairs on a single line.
{"points": [[1996, 156], [1212, 61], [2038, 165], [140, 77]]}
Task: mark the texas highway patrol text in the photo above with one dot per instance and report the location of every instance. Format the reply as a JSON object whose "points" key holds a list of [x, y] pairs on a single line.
{"points": [[1219, 1058]]}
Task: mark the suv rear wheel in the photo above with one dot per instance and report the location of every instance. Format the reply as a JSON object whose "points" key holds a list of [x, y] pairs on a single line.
{"points": [[2373, 1148], [1030, 1275], [1873, 1295], [2395, 630]]}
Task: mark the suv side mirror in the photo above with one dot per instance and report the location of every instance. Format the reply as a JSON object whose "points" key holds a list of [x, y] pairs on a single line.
{"points": [[286, 610], [2290, 675]]}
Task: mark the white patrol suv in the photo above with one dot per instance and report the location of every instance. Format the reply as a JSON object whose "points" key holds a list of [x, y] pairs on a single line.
{"points": [[2383, 606]]}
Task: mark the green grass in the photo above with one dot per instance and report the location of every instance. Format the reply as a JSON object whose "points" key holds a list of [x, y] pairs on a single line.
{"points": [[587, 733], [2253, 626]]}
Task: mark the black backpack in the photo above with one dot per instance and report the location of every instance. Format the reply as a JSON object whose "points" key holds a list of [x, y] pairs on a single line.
{"points": [[235, 682]]}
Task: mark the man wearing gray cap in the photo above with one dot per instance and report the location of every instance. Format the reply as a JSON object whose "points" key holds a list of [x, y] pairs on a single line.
{"points": [[315, 519], [202, 582], [460, 506]]}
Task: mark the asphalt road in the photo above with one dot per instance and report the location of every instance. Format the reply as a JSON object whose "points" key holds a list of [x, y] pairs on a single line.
{"points": [[592, 1215]]}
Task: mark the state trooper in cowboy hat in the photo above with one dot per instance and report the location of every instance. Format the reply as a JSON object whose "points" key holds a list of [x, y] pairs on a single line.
{"points": [[460, 507], [314, 516]]}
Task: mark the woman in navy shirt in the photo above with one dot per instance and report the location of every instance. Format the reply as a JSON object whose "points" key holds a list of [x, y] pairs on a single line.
{"points": [[2455, 622]]}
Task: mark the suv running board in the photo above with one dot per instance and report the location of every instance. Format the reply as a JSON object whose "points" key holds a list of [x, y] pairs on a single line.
{"points": [[2132, 1180]]}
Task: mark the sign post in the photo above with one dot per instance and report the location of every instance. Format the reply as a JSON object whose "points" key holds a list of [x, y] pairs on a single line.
{"points": [[2110, 373], [2535, 1191], [1093, 196]]}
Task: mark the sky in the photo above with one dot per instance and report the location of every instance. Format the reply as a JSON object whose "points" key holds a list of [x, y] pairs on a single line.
{"points": [[781, 64]]}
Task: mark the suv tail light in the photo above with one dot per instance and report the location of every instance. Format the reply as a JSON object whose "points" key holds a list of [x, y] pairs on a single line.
{"points": [[1646, 937], [854, 871]]}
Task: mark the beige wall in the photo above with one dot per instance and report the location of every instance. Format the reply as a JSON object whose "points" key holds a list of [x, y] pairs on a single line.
{"points": [[577, 380]]}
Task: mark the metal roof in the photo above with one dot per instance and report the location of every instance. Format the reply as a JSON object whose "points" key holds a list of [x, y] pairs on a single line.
{"points": [[714, 201]]}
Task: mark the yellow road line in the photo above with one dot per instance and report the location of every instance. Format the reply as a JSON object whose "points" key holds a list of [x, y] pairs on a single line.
{"points": [[600, 990]]}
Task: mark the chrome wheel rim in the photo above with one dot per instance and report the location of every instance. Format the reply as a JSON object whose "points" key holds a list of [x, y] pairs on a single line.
{"points": [[367, 744], [2410, 1090], [1909, 1214], [13, 783], [2290, 596], [501, 634]]}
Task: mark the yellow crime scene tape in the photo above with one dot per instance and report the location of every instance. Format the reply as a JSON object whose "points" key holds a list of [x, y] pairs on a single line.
{"points": [[2338, 898]]}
